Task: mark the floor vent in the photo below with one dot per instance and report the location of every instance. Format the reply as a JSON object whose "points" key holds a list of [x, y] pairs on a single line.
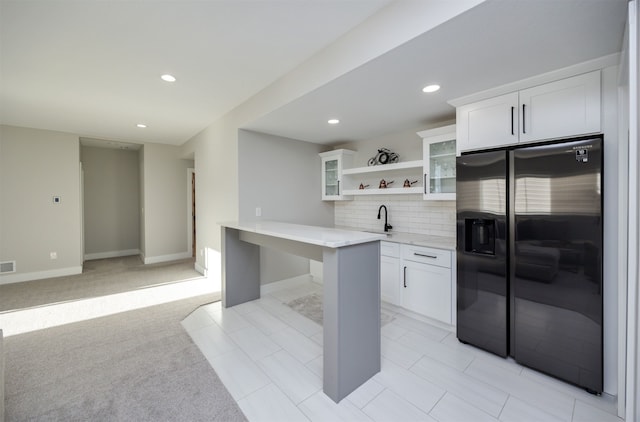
{"points": [[7, 267]]}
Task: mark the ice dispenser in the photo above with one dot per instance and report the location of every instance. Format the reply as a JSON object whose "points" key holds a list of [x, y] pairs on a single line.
{"points": [[480, 236]]}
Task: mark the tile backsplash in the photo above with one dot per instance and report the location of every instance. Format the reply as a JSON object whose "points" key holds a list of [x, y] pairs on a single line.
{"points": [[407, 214]]}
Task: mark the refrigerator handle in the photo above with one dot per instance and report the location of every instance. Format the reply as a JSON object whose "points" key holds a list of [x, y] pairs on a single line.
{"points": [[523, 125], [512, 110]]}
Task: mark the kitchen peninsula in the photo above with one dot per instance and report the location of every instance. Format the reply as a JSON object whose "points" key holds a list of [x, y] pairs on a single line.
{"points": [[351, 290]]}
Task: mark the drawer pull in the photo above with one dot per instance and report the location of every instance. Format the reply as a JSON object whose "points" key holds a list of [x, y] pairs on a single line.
{"points": [[426, 256]]}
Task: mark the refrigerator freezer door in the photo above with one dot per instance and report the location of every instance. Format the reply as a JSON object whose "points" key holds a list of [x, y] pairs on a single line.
{"points": [[557, 260], [482, 251]]}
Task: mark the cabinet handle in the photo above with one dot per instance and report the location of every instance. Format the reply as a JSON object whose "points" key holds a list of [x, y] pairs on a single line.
{"points": [[512, 110], [523, 125], [425, 183], [338, 187], [426, 256], [404, 276]]}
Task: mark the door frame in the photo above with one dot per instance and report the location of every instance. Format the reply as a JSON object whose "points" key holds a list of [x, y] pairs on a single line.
{"points": [[190, 176]]}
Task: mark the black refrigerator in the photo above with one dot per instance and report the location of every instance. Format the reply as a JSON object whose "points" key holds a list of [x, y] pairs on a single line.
{"points": [[529, 256]]}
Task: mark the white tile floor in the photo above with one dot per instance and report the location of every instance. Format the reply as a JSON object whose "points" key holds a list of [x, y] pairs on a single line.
{"points": [[270, 359]]}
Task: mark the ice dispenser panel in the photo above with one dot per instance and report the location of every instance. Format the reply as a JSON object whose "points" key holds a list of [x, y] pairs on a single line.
{"points": [[480, 236]]}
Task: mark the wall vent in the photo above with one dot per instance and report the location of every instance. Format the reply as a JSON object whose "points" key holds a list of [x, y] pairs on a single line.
{"points": [[7, 267]]}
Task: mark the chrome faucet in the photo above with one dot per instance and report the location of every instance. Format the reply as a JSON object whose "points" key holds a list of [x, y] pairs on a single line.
{"points": [[386, 226]]}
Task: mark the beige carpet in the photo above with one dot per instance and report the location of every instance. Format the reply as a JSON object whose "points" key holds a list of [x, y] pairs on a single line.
{"points": [[99, 278], [133, 366]]}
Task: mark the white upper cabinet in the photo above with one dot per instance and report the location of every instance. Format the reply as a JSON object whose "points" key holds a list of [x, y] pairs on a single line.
{"points": [[439, 163], [559, 109], [564, 108], [488, 123], [333, 163]]}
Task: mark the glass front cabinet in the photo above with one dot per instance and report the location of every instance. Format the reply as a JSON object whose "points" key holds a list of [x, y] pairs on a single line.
{"points": [[439, 161], [332, 164]]}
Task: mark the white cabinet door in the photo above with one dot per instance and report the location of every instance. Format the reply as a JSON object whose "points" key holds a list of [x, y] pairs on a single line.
{"points": [[333, 162], [331, 175], [390, 279], [489, 123], [427, 290], [559, 109], [439, 163]]}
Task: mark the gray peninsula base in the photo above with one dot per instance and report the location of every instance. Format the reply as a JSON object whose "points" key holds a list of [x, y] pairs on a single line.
{"points": [[351, 287]]}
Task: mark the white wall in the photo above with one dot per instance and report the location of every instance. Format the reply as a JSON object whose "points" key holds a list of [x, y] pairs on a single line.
{"points": [[111, 202], [36, 165], [633, 313], [282, 177], [164, 203], [611, 281], [407, 144]]}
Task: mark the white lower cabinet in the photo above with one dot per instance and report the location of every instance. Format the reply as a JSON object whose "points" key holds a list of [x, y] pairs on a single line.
{"points": [[427, 290], [418, 279], [390, 272], [426, 282]]}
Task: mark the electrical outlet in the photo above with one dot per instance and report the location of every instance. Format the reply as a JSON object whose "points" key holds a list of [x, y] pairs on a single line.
{"points": [[258, 212], [53, 255]]}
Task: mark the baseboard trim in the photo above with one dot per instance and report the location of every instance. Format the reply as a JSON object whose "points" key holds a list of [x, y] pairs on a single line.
{"points": [[165, 258], [38, 275], [111, 254], [199, 268]]}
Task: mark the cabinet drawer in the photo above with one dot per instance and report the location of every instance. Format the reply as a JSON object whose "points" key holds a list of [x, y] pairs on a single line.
{"points": [[432, 256], [390, 249]]}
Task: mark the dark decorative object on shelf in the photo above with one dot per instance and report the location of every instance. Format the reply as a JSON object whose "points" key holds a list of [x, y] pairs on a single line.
{"points": [[384, 156], [384, 184]]}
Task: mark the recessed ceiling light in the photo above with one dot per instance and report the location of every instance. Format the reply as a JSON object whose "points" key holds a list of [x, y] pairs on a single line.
{"points": [[141, 125], [333, 121], [168, 78], [431, 88]]}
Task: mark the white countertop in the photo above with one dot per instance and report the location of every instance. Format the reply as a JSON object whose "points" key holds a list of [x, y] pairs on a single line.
{"points": [[440, 242], [322, 236]]}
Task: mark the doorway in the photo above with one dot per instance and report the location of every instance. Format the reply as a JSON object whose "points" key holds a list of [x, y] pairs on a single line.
{"points": [[191, 211]]}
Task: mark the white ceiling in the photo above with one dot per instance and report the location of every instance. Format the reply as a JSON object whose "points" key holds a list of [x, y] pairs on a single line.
{"points": [[495, 43], [92, 68]]}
